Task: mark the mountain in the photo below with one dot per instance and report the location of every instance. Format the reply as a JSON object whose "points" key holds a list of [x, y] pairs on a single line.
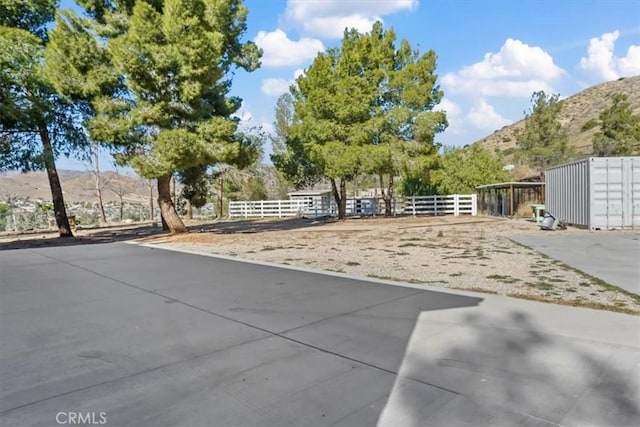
{"points": [[576, 111], [77, 186]]}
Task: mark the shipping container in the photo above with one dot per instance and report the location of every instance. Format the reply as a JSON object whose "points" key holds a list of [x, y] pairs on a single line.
{"points": [[597, 193]]}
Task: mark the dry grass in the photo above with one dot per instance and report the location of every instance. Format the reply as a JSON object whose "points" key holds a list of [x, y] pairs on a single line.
{"points": [[467, 253]]}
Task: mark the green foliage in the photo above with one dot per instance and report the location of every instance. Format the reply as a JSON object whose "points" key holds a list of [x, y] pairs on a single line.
{"points": [[283, 113], [543, 141], [416, 186], [44, 207], [157, 80], [30, 108], [4, 213], [245, 185], [29, 15], [255, 189], [619, 133], [196, 184], [363, 108], [590, 124], [87, 218], [463, 169]]}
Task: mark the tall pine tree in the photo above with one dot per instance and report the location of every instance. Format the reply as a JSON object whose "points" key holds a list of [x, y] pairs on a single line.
{"points": [[36, 124], [173, 60]]}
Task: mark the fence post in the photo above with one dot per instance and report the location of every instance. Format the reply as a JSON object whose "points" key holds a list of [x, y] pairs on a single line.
{"points": [[456, 205], [474, 204], [435, 205]]}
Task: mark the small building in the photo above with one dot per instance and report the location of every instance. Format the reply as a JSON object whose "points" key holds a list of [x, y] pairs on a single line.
{"points": [[596, 193], [505, 198], [317, 202]]}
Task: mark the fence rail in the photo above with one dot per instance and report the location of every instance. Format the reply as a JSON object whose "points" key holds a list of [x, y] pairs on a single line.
{"points": [[456, 204]]}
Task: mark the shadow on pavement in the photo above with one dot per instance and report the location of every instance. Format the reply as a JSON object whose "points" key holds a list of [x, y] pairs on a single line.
{"points": [[504, 370], [105, 235], [119, 233]]}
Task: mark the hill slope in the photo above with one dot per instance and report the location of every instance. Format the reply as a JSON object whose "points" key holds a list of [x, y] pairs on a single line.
{"points": [[76, 186], [576, 111]]}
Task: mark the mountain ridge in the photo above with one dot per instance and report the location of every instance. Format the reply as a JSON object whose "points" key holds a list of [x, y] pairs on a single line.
{"points": [[576, 110]]}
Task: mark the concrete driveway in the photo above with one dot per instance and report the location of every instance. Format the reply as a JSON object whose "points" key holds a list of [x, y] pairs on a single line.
{"points": [[611, 256], [123, 335]]}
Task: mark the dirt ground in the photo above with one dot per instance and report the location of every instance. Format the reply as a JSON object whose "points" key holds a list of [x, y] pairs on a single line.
{"points": [[469, 253]]}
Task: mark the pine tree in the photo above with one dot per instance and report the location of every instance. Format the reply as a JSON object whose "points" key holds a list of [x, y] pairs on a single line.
{"points": [[158, 88], [543, 141], [365, 107], [619, 133], [36, 124]]}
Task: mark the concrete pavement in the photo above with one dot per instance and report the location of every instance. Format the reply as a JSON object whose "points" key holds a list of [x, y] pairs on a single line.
{"points": [[149, 337], [609, 255]]}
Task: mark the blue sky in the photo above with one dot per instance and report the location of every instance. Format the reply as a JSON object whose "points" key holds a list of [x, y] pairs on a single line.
{"points": [[492, 54]]}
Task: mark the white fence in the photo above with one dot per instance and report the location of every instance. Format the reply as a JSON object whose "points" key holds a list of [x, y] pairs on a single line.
{"points": [[456, 204]]}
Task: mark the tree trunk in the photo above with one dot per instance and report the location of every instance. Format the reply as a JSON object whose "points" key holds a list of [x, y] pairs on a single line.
{"points": [[189, 209], [343, 199], [340, 196], [170, 219], [387, 195], [151, 213], [62, 221], [220, 201], [98, 184], [121, 206]]}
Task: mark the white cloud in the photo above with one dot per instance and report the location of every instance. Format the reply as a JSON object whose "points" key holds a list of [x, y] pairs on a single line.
{"points": [[277, 86], [516, 70], [334, 26], [454, 115], [602, 65], [629, 65], [280, 51], [484, 116], [448, 106], [245, 117], [328, 18]]}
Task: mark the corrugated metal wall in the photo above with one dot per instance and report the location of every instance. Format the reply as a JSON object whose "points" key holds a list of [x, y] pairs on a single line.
{"points": [[567, 192], [598, 192]]}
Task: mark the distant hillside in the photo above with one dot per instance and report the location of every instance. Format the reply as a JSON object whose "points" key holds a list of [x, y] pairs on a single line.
{"points": [[76, 186], [576, 111]]}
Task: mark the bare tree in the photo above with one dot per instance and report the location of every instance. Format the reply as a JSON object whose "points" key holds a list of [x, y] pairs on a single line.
{"points": [[119, 191], [95, 152]]}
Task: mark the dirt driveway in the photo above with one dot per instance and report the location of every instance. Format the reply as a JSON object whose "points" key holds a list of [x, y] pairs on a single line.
{"points": [[470, 253]]}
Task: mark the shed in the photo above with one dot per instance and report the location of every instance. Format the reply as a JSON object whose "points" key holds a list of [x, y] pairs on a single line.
{"points": [[597, 192], [317, 201], [504, 198]]}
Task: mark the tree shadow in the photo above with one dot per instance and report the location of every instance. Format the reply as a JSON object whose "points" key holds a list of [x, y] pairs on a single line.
{"points": [[505, 370], [258, 226], [85, 237], [119, 233]]}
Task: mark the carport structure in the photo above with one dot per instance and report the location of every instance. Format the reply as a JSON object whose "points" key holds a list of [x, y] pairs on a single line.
{"points": [[504, 199]]}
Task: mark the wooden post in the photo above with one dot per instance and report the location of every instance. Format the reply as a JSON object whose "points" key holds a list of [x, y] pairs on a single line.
{"points": [[511, 200]]}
